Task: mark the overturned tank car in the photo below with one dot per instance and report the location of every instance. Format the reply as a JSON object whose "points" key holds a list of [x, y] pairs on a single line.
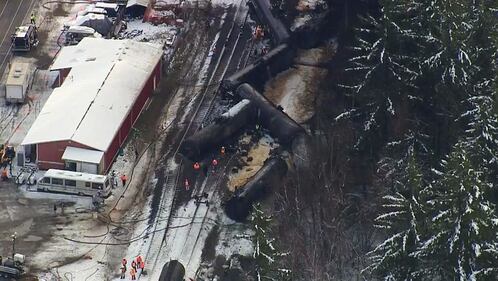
{"points": [[213, 135], [271, 174], [275, 61], [280, 125]]}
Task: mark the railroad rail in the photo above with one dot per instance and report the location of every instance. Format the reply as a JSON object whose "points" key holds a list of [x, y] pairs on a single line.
{"points": [[202, 111]]}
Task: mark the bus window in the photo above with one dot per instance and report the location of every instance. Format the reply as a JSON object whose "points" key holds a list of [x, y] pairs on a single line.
{"points": [[106, 182], [87, 184], [70, 183], [97, 185], [45, 180], [56, 181]]}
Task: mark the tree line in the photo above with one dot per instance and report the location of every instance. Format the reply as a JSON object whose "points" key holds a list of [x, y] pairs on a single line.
{"points": [[421, 86]]}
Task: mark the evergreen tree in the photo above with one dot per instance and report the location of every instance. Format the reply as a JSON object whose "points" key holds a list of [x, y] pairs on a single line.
{"points": [[267, 255], [459, 43], [482, 132], [461, 242], [393, 259], [383, 71]]}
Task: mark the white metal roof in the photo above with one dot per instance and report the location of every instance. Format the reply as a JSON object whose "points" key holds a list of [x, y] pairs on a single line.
{"points": [[82, 155], [106, 5], [63, 174], [21, 31], [143, 3], [18, 72], [91, 9], [105, 79], [80, 29]]}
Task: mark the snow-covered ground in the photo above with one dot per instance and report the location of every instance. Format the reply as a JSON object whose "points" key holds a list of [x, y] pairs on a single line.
{"points": [[87, 246], [144, 31]]}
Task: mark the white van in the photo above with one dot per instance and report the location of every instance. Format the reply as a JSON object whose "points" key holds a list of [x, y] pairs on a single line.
{"points": [[74, 182]]}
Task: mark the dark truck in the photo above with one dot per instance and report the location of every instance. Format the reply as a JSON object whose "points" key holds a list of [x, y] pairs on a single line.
{"points": [[24, 38], [12, 268]]}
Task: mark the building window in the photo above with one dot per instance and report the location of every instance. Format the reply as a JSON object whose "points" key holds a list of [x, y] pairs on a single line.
{"points": [[56, 181], [70, 183]]}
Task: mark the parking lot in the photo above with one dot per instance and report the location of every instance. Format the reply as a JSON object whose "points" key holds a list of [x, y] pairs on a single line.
{"points": [[31, 216]]}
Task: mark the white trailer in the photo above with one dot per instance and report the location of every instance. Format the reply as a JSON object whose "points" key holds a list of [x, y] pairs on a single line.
{"points": [[18, 82]]}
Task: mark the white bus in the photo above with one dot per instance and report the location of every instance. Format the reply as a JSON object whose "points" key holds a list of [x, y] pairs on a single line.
{"points": [[74, 182]]}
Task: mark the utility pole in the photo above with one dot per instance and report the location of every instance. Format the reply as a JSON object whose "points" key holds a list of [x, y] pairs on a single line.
{"points": [[13, 236]]}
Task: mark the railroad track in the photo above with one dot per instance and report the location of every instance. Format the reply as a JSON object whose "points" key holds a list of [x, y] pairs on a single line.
{"points": [[203, 109]]}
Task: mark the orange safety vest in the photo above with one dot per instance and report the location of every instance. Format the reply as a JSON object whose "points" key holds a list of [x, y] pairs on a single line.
{"points": [[142, 265]]}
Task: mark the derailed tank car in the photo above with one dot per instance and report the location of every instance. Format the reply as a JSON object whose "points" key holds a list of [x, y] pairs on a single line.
{"points": [[280, 125], [275, 61], [271, 174], [213, 135], [262, 9]]}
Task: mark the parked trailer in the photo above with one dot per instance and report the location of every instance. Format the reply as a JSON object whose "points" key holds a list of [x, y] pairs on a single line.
{"points": [[271, 174], [275, 61], [18, 81], [280, 125], [262, 9], [74, 183], [213, 135]]}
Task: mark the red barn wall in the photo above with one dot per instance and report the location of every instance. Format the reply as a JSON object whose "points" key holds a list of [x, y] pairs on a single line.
{"points": [[132, 117], [50, 153]]}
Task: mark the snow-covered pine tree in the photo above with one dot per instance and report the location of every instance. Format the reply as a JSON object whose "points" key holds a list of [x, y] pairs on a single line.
{"points": [[383, 67], [459, 50], [461, 242], [402, 221], [266, 254], [482, 132]]}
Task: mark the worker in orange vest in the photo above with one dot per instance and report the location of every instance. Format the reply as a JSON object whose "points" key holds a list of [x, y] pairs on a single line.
{"points": [[4, 174], [133, 273], [134, 264], [122, 272], [140, 262], [197, 166], [123, 178], [187, 184], [214, 163]]}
